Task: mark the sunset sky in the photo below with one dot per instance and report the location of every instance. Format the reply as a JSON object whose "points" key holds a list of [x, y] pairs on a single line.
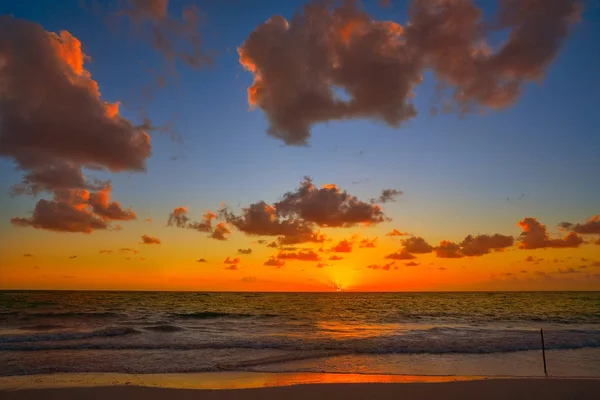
{"points": [[151, 145]]}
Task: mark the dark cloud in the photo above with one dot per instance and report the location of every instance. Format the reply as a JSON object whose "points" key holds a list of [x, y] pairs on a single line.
{"points": [[27, 255], [535, 236], [106, 251], [244, 251], [72, 257], [177, 39], [274, 262], [484, 244], [590, 227], [73, 130], [228, 260], [273, 245], [261, 241], [295, 218], [297, 65], [534, 260], [302, 255], [149, 240], [417, 245], [442, 268], [400, 255], [344, 246], [128, 250], [412, 264], [335, 258], [367, 243], [387, 195], [201, 260], [249, 279], [233, 267], [447, 249], [567, 271], [220, 231], [321, 265], [396, 232], [524, 271], [178, 218], [595, 264]]}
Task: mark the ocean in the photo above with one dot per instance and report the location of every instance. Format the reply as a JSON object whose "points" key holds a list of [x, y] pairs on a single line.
{"points": [[383, 333]]}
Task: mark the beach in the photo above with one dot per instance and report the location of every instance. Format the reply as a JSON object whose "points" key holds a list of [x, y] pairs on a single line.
{"points": [[290, 386]]}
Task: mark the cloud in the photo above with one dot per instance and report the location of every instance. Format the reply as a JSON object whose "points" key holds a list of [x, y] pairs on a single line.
{"points": [[274, 262], [590, 227], [249, 279], [149, 240], [228, 260], [417, 245], [244, 251], [387, 195], [72, 257], [534, 260], [379, 63], [535, 236], [201, 260], [321, 265], [232, 267], [335, 258], [176, 39], [412, 264], [396, 232], [74, 129], [367, 243], [400, 255], [344, 246], [302, 255], [384, 267], [148, 219], [442, 268], [220, 231], [567, 271], [27, 255], [295, 218], [273, 245], [484, 244], [106, 251], [447, 249], [128, 250]]}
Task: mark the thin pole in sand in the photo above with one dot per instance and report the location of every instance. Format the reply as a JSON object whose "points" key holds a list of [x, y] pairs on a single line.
{"points": [[544, 352]]}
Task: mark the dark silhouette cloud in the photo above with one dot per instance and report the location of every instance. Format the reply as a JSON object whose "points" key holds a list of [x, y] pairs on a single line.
{"points": [[387, 195], [396, 232], [412, 264], [447, 249], [302, 255], [274, 262], [535, 236], [178, 218], [484, 244], [590, 227], [244, 251], [321, 265], [298, 64], [417, 245], [201, 260], [335, 258], [344, 246], [220, 232], [384, 267], [233, 267], [228, 260], [27, 255], [128, 250], [400, 255], [149, 240], [367, 243]]}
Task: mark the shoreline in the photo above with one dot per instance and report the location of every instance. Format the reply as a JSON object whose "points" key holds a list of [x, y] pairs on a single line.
{"points": [[242, 380], [257, 386]]}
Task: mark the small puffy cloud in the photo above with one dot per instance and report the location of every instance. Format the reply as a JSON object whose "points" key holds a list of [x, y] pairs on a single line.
{"points": [[274, 262], [302, 255], [149, 240], [590, 227], [396, 232], [244, 251], [484, 244], [384, 267], [524, 271], [447, 249], [148, 219], [178, 218], [321, 265], [261, 241], [367, 243], [412, 264], [417, 245], [106, 251], [27, 255], [400, 255], [532, 259], [344, 246], [567, 271], [229, 260], [535, 236], [442, 268], [201, 260], [233, 267], [273, 245], [72, 257], [335, 258], [378, 63], [387, 195], [220, 231]]}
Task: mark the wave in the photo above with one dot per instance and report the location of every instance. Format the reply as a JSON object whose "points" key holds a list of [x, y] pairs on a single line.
{"points": [[430, 341], [213, 314], [72, 335], [41, 327], [164, 328], [70, 314]]}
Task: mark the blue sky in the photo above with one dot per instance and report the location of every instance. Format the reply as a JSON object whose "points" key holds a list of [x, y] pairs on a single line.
{"points": [[456, 171]]}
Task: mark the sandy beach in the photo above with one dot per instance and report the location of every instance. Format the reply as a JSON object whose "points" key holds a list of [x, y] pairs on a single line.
{"points": [[289, 386]]}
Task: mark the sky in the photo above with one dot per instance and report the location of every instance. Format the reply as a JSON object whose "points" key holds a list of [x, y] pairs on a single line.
{"points": [[294, 146]]}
